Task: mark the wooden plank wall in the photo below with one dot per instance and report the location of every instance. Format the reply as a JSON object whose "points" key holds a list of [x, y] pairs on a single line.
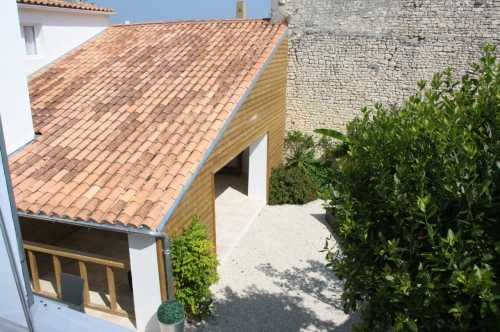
{"points": [[262, 112]]}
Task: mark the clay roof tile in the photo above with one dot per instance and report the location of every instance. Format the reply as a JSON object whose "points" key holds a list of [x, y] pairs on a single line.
{"points": [[127, 116], [81, 5]]}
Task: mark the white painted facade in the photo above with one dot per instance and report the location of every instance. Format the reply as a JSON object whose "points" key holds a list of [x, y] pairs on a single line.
{"points": [[257, 171], [15, 111], [52, 316], [145, 281], [57, 31], [13, 307]]}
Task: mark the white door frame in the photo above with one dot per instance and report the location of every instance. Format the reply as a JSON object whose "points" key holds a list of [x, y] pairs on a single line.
{"points": [[257, 171]]}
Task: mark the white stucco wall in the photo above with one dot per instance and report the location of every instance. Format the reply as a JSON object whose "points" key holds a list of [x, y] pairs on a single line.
{"points": [[145, 281], [11, 305], [52, 316], [15, 111], [58, 31]]}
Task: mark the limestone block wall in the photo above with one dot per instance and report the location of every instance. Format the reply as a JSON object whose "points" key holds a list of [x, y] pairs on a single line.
{"points": [[346, 54]]}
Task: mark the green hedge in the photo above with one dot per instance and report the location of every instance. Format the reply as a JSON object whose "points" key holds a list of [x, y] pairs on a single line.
{"points": [[290, 185], [418, 208], [303, 177], [194, 266]]}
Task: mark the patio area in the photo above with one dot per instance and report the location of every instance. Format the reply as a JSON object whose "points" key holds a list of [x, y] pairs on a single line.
{"points": [[234, 212], [275, 279]]}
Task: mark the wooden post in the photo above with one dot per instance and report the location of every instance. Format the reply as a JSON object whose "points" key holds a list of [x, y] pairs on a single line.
{"points": [[35, 278], [214, 216], [110, 276], [57, 274], [84, 276], [161, 269]]}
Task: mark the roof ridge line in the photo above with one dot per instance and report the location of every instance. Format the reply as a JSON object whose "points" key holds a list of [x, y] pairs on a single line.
{"points": [[194, 21]]}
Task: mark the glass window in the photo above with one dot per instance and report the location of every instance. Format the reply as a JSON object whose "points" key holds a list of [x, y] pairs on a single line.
{"points": [[30, 39]]}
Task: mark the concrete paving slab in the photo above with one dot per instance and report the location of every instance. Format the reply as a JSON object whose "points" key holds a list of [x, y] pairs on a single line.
{"points": [[234, 214]]}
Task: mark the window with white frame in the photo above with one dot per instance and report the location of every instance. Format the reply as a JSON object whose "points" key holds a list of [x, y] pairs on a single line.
{"points": [[30, 39]]}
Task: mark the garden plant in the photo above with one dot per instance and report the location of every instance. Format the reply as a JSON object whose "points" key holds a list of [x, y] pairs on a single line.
{"points": [[304, 176], [194, 266], [171, 312], [417, 202]]}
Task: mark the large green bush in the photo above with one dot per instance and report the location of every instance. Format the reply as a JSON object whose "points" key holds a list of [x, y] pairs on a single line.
{"points": [[418, 208], [289, 185], [304, 176], [194, 266]]}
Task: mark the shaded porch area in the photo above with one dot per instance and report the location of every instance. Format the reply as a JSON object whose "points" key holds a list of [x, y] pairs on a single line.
{"points": [[240, 194], [100, 258]]}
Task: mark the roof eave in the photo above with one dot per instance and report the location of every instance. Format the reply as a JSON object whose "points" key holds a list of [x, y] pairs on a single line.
{"points": [[89, 224], [234, 111], [65, 9]]}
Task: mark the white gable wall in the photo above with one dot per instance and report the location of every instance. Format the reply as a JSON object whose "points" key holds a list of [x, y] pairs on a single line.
{"points": [[15, 111], [58, 31]]}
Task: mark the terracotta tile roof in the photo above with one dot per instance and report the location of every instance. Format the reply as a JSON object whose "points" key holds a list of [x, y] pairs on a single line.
{"points": [[126, 118], [67, 4]]}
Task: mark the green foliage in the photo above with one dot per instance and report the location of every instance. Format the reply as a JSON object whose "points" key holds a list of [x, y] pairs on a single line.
{"points": [[194, 265], [335, 151], [171, 312], [418, 208], [304, 177], [289, 185], [335, 134], [299, 150]]}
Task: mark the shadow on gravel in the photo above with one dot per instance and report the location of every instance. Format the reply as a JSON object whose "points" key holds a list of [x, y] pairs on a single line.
{"points": [[315, 280], [321, 217], [258, 310]]}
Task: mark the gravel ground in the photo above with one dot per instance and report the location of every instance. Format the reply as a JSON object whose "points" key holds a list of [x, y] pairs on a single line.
{"points": [[276, 280]]}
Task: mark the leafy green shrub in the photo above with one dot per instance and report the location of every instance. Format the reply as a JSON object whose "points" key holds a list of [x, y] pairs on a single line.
{"points": [[418, 208], [289, 185], [304, 176], [171, 312], [299, 150], [194, 266]]}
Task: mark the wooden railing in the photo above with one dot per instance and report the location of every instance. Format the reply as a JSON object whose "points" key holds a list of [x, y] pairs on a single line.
{"points": [[32, 249]]}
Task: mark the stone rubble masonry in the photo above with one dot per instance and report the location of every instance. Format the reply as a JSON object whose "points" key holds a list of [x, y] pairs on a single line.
{"points": [[346, 54]]}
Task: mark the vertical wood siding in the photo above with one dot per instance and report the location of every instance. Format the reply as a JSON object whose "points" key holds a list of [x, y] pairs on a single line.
{"points": [[262, 112]]}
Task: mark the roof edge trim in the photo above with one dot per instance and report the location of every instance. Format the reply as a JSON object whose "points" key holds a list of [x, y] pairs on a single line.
{"points": [[89, 224], [220, 134], [194, 21], [64, 9]]}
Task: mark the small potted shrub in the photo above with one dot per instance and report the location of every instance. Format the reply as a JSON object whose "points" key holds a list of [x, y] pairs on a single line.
{"points": [[171, 316]]}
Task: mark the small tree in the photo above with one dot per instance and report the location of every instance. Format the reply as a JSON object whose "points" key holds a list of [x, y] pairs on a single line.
{"points": [[417, 200], [194, 266]]}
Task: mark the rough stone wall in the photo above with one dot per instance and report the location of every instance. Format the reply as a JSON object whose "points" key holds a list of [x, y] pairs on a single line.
{"points": [[346, 54]]}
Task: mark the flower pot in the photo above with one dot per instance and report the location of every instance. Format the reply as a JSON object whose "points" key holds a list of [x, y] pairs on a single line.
{"points": [[171, 316], [177, 327]]}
